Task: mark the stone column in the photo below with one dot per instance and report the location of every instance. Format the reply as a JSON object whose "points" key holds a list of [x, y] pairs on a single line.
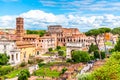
{"points": [[10, 60], [68, 53], [18, 57]]}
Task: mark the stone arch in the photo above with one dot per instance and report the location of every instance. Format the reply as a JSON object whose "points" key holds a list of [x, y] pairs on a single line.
{"points": [[72, 51], [71, 47]]}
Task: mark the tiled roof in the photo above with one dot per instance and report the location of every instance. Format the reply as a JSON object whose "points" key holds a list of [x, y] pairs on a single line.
{"points": [[24, 44]]}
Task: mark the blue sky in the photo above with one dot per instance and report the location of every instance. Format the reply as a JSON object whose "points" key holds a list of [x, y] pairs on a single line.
{"points": [[95, 7], [68, 13]]}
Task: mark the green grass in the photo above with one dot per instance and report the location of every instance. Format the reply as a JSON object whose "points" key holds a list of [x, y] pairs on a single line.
{"points": [[46, 54], [12, 74], [63, 48], [47, 72], [50, 54], [54, 63]]}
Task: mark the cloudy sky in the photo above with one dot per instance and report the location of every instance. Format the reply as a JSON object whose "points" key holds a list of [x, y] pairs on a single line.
{"points": [[82, 14]]}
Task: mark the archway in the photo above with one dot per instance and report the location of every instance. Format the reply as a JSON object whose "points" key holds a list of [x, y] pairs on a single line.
{"points": [[72, 46], [72, 51]]}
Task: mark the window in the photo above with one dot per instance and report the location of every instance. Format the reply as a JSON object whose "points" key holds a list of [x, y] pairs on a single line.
{"points": [[16, 56], [4, 48], [25, 55], [12, 57], [37, 52]]}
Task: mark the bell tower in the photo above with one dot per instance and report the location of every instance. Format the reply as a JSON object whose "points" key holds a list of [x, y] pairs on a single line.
{"points": [[19, 28]]}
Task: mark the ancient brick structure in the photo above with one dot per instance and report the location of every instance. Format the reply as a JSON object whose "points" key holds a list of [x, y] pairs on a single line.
{"points": [[19, 28]]}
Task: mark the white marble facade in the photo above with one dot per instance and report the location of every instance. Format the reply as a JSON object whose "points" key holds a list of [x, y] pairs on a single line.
{"points": [[9, 47]]}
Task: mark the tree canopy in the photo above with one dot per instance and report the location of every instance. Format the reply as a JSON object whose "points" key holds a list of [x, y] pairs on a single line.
{"points": [[117, 46], [96, 32], [80, 56], [39, 32], [93, 32], [104, 30], [111, 69], [92, 48], [116, 30]]}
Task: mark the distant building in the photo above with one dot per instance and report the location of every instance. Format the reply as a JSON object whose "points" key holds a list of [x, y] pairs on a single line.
{"points": [[9, 47], [55, 29], [34, 45], [47, 42], [26, 50], [7, 30], [20, 28], [66, 35]]}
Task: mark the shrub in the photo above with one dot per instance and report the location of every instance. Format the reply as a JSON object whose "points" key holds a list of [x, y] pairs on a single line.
{"points": [[96, 54], [110, 70], [23, 64], [102, 55], [58, 47], [30, 61], [92, 57], [50, 49], [60, 53], [69, 60], [23, 75], [86, 76], [63, 70], [5, 70], [38, 60], [92, 48], [4, 58], [41, 64]]}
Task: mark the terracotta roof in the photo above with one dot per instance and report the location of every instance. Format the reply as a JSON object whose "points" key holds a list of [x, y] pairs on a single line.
{"points": [[24, 44], [1, 33], [46, 37]]}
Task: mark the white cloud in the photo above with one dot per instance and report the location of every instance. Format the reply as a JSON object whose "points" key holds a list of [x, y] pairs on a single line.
{"points": [[7, 21], [84, 5], [37, 19]]}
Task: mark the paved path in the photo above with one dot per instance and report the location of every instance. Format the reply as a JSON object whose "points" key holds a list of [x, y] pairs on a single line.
{"points": [[33, 68], [86, 68]]}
